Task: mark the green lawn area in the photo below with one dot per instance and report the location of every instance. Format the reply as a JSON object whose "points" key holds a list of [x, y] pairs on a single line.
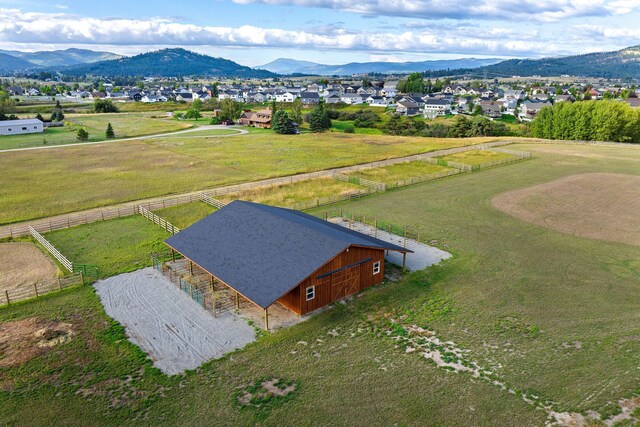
{"points": [[340, 125], [209, 132], [124, 126], [399, 172], [298, 192], [476, 157], [548, 313], [186, 214], [115, 246], [42, 183]]}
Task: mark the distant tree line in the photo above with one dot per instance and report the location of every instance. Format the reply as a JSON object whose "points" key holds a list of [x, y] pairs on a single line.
{"points": [[463, 127], [588, 121]]}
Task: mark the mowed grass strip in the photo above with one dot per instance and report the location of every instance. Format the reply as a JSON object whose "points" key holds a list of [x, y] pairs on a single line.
{"points": [[288, 195], [186, 214], [115, 246], [477, 157], [398, 172], [43, 183], [124, 126]]}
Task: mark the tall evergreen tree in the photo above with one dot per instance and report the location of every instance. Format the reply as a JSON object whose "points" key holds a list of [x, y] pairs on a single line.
{"points": [[319, 120], [109, 133]]}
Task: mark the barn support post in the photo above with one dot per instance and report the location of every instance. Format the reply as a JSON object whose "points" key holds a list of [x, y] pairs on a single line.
{"points": [[404, 262], [212, 284], [190, 267], [237, 301], [173, 255], [266, 319]]}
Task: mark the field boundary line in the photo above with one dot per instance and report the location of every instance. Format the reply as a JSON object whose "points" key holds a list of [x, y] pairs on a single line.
{"points": [[156, 219], [71, 219], [52, 250]]}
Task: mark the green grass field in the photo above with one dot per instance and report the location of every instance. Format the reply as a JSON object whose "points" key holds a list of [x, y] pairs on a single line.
{"points": [[47, 182], [209, 132], [115, 246], [184, 215], [124, 126], [298, 192], [341, 125], [550, 314], [476, 157], [399, 172]]}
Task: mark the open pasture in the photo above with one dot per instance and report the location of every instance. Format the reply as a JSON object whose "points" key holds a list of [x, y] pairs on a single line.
{"points": [[476, 157], [601, 206], [549, 314], [186, 214], [43, 183], [116, 246], [124, 126], [398, 172], [288, 195]]}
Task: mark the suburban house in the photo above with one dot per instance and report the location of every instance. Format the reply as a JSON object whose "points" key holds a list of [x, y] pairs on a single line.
{"points": [[18, 127], [491, 109], [309, 97], [407, 108], [260, 119], [376, 101], [272, 255], [436, 107], [530, 109]]}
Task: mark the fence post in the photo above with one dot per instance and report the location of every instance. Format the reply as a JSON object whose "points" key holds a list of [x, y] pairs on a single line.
{"points": [[6, 294], [35, 287], [59, 284], [82, 277]]}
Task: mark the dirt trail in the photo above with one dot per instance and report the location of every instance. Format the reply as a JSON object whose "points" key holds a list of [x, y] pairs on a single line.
{"points": [[23, 264]]}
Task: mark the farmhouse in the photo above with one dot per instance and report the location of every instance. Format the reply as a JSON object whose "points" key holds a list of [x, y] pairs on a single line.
{"points": [[17, 127], [274, 255], [260, 119]]}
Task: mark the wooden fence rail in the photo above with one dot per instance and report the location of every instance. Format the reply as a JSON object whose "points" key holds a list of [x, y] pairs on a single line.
{"points": [[211, 201], [158, 220], [36, 290], [52, 250]]}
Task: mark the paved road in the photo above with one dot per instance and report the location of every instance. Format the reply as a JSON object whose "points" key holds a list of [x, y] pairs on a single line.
{"points": [[159, 135]]}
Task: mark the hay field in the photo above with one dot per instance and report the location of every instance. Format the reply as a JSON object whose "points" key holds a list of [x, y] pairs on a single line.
{"points": [[43, 183]]}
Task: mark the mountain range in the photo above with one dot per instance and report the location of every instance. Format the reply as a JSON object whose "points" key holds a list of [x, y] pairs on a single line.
{"points": [[168, 63], [293, 66], [62, 58], [624, 63]]}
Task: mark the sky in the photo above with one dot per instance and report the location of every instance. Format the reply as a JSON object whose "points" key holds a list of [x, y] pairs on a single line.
{"points": [[255, 32]]}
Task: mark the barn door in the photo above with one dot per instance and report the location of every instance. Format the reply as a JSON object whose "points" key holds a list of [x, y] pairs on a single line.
{"points": [[345, 282]]}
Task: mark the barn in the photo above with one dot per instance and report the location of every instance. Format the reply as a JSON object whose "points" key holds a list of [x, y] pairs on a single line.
{"points": [[274, 255], [18, 127]]}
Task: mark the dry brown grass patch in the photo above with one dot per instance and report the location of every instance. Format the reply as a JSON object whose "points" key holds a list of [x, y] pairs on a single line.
{"points": [[600, 206], [22, 340]]}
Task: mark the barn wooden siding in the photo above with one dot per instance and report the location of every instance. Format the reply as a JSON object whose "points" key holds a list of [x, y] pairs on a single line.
{"points": [[334, 282]]}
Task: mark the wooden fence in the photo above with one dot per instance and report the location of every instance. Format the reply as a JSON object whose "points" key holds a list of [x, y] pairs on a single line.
{"points": [[158, 220], [95, 215], [422, 178], [376, 186], [211, 201], [323, 201], [36, 290], [52, 250]]}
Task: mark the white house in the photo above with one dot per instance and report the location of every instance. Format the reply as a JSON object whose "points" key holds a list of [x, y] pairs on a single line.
{"points": [[18, 127], [436, 107], [286, 97]]}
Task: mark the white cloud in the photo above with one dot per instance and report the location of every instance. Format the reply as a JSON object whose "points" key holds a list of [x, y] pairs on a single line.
{"points": [[26, 29], [510, 10]]}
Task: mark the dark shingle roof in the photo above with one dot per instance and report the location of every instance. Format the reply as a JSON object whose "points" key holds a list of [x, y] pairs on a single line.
{"points": [[262, 251]]}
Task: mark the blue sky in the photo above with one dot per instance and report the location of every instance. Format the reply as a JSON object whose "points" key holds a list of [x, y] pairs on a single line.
{"points": [[254, 32]]}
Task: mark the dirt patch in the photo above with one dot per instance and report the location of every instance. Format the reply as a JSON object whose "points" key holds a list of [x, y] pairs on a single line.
{"points": [[265, 392], [21, 340], [593, 205], [23, 264]]}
